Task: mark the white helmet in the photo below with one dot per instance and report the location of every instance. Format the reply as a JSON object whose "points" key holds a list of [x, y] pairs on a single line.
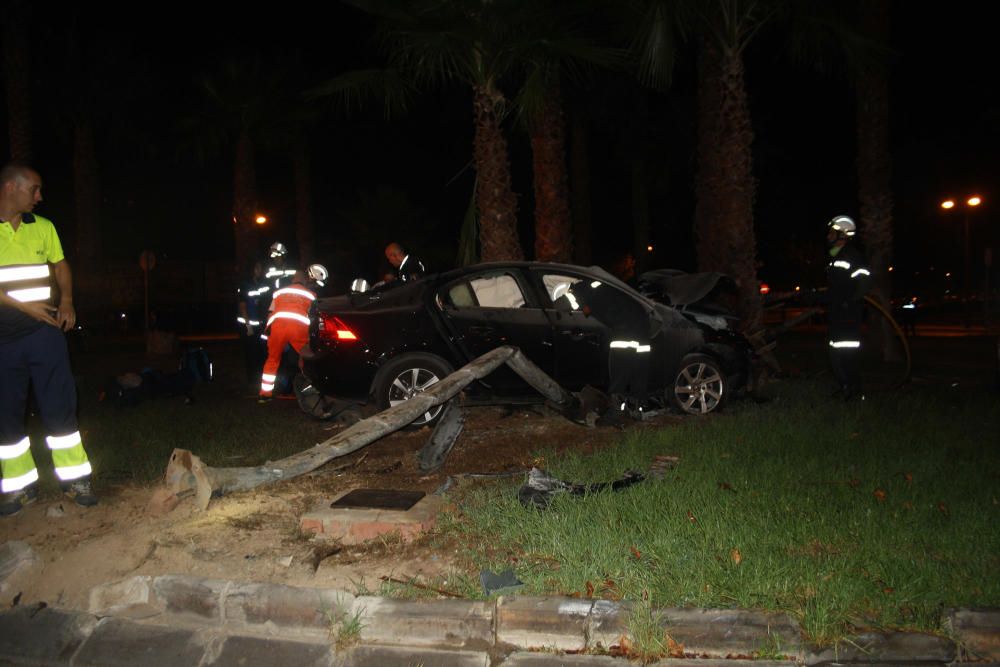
{"points": [[318, 273], [843, 225], [278, 250]]}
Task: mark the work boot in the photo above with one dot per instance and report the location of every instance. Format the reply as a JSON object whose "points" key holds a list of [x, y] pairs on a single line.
{"points": [[13, 502], [80, 491]]}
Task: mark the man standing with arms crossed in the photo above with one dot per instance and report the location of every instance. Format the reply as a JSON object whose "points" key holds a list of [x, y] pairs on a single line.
{"points": [[33, 347]]}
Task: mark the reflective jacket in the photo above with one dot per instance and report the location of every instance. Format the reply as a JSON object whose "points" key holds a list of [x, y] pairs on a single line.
{"points": [[291, 303]]}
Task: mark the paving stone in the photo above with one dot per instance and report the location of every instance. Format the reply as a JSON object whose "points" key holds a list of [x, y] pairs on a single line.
{"points": [[886, 647], [30, 635], [247, 651], [286, 607], [453, 623], [977, 632], [731, 632], [542, 622], [389, 656], [192, 598], [17, 561], [118, 641], [129, 598]]}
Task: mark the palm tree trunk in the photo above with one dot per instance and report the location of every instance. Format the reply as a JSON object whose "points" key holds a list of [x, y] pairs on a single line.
{"points": [[874, 165], [17, 73], [244, 199], [580, 187], [726, 240], [303, 200], [553, 223], [708, 246], [495, 197], [640, 191], [87, 192]]}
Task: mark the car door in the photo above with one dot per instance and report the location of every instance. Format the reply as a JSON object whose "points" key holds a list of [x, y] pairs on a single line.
{"points": [[581, 342], [490, 308]]}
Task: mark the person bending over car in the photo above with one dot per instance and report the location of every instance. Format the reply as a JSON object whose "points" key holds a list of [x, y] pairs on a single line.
{"points": [[288, 324]]}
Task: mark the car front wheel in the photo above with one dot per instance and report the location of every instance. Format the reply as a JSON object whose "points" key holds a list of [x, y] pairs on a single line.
{"points": [[403, 378], [700, 386]]}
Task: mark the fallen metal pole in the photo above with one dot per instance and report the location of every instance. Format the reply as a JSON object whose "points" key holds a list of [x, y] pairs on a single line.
{"points": [[185, 471]]}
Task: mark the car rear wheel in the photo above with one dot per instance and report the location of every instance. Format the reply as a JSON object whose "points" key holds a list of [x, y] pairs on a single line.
{"points": [[403, 378], [700, 386]]}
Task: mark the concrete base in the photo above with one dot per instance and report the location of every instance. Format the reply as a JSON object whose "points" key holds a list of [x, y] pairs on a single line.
{"points": [[354, 525]]}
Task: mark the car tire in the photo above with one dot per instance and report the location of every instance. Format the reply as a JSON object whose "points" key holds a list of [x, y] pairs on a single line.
{"points": [[700, 386], [408, 375]]}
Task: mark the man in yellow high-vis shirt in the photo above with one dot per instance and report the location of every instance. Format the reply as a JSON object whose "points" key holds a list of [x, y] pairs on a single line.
{"points": [[33, 347]]}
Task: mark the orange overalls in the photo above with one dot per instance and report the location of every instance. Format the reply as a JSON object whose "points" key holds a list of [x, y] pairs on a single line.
{"points": [[289, 325]]}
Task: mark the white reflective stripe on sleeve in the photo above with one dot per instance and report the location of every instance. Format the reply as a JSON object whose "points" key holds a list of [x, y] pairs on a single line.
{"points": [[861, 272], [267, 386], [306, 294], [241, 320], [69, 473], [254, 323], [14, 273], [625, 344], [8, 452], [31, 294], [845, 343], [263, 336], [288, 316], [644, 348], [267, 377], [9, 484], [595, 284], [63, 441], [841, 264]]}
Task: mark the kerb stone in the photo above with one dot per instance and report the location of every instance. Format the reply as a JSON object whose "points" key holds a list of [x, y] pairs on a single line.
{"points": [[883, 647], [608, 623], [451, 623], [130, 598], [389, 656], [977, 632], [117, 642], [30, 635], [734, 633], [191, 598], [244, 651], [537, 622], [527, 659], [280, 607], [353, 525], [17, 561]]}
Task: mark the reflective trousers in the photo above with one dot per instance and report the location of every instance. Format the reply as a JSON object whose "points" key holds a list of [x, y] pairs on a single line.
{"points": [[283, 332], [42, 358]]}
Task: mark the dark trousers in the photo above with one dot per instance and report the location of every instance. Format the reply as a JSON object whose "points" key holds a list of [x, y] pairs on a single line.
{"points": [[254, 354], [845, 360], [42, 358]]}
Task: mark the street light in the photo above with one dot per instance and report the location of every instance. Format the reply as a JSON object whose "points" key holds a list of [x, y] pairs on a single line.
{"points": [[971, 202], [261, 219]]}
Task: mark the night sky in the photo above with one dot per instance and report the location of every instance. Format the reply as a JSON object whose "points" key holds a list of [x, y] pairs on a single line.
{"points": [[410, 179]]}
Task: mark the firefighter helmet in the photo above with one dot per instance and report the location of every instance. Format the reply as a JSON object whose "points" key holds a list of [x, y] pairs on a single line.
{"points": [[843, 225], [278, 250], [318, 273]]}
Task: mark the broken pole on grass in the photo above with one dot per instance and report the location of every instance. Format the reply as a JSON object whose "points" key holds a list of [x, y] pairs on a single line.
{"points": [[186, 472]]}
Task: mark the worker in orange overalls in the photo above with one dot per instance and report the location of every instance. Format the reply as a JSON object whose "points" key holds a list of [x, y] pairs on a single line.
{"points": [[287, 324]]}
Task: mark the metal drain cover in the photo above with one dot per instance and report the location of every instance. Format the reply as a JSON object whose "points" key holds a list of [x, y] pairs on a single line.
{"points": [[379, 499]]}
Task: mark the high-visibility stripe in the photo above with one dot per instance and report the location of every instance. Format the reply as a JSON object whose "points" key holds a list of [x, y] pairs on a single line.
{"points": [[624, 344], [10, 484], [643, 348], [267, 377], [263, 336], [572, 301], [63, 441], [288, 316], [254, 323], [595, 284], [241, 320], [841, 264], [845, 344], [31, 294], [13, 451], [69, 473], [267, 386], [306, 294], [30, 272], [861, 272]]}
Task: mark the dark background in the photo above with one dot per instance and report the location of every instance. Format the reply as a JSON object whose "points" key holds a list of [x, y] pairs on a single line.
{"points": [[410, 179]]}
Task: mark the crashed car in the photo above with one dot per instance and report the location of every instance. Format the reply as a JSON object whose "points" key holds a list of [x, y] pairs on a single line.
{"points": [[392, 342]]}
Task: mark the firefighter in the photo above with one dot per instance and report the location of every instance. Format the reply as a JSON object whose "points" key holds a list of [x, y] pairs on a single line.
{"points": [[33, 347], [628, 349], [318, 277], [252, 298], [407, 266], [848, 278], [279, 271], [287, 325]]}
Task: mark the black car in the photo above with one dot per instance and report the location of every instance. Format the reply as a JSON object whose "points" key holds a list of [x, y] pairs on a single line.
{"points": [[396, 340]]}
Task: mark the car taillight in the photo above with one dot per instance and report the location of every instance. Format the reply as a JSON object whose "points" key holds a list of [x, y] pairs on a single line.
{"points": [[333, 329]]}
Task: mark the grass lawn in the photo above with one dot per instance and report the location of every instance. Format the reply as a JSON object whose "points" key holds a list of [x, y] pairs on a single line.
{"points": [[874, 515]]}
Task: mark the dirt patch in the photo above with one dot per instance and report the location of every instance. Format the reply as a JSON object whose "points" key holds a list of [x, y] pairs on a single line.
{"points": [[254, 536]]}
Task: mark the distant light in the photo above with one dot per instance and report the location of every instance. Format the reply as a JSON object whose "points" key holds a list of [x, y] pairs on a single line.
{"points": [[948, 274], [974, 201], [234, 220], [765, 288], [649, 248], [122, 316], [797, 288], [891, 269], [948, 203], [260, 219]]}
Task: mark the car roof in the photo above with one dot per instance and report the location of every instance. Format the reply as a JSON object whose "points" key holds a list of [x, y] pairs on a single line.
{"points": [[595, 271]]}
